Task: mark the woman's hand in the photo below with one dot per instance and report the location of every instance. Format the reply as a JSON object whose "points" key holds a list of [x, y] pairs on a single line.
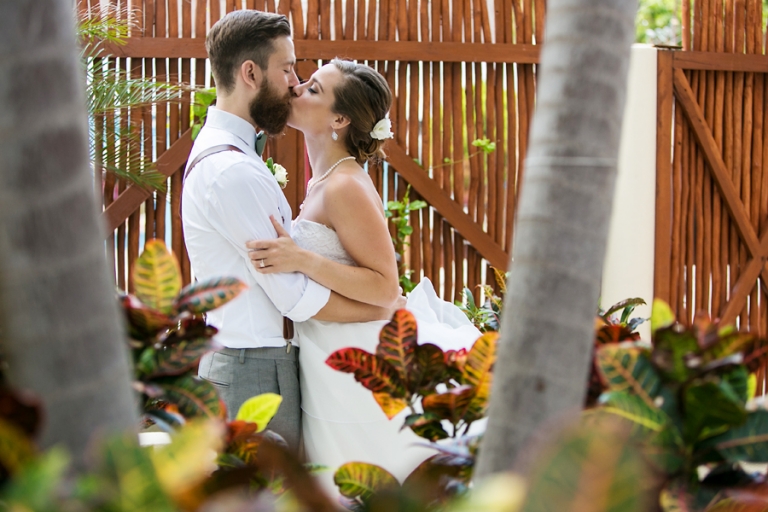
{"points": [[277, 255]]}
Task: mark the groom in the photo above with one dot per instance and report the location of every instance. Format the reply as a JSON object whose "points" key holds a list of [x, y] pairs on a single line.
{"points": [[228, 197]]}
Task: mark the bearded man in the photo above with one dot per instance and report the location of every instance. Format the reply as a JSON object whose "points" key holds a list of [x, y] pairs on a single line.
{"points": [[228, 197]]}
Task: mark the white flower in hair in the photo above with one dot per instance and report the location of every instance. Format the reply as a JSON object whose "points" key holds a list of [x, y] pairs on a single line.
{"points": [[382, 130]]}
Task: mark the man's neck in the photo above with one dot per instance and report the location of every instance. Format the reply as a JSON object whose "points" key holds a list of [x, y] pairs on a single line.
{"points": [[230, 105]]}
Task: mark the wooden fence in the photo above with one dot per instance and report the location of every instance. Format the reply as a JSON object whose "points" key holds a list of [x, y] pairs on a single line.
{"points": [[460, 70], [712, 185]]}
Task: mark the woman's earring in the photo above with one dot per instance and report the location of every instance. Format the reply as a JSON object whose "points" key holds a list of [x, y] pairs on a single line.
{"points": [[334, 135]]}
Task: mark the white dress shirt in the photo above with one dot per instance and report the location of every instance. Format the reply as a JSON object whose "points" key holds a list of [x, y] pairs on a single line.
{"points": [[226, 201]]}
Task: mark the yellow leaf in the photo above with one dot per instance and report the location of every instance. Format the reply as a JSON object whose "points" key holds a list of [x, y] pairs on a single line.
{"points": [[190, 457], [661, 315], [391, 406], [260, 409]]}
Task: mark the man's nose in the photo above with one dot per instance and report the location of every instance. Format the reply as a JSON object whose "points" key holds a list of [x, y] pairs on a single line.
{"points": [[293, 80]]}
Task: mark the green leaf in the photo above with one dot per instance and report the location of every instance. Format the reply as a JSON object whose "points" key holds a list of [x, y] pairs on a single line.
{"points": [[661, 316], [589, 469], [358, 479], [406, 230], [426, 425], [646, 419], [193, 396], [180, 357], [418, 205], [747, 442], [676, 354], [710, 408], [395, 205], [626, 367], [196, 130], [628, 305], [157, 277], [204, 296], [16, 448], [37, 484], [260, 409], [129, 477]]}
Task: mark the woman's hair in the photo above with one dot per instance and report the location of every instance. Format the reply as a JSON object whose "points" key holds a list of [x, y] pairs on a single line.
{"points": [[364, 98]]}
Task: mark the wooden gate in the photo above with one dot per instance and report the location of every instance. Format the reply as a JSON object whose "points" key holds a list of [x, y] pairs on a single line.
{"points": [[712, 185], [460, 70]]}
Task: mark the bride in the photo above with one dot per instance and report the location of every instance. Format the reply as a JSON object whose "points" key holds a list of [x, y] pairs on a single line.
{"points": [[340, 239]]}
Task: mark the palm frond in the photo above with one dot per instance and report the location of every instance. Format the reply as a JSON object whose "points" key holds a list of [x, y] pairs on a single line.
{"points": [[113, 90]]}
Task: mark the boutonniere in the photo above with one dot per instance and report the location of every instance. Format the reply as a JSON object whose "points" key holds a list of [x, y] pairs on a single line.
{"points": [[278, 171]]}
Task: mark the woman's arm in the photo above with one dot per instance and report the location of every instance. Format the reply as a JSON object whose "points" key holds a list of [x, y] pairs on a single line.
{"points": [[362, 230]]}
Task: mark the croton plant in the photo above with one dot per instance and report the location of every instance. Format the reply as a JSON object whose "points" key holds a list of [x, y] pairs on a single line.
{"points": [[444, 393], [168, 335]]}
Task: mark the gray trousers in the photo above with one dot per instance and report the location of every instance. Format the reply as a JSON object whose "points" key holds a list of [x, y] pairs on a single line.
{"points": [[240, 374]]}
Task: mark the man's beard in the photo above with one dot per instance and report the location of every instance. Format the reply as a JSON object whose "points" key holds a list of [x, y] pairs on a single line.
{"points": [[269, 110]]}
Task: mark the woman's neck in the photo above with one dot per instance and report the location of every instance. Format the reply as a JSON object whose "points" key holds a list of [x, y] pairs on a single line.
{"points": [[323, 153]]}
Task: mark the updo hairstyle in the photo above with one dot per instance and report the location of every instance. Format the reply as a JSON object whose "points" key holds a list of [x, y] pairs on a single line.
{"points": [[364, 98]]}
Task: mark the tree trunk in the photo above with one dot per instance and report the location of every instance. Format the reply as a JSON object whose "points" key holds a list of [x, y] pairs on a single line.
{"points": [[61, 330], [562, 224]]}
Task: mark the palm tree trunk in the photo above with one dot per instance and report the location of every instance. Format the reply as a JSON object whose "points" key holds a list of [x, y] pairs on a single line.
{"points": [[562, 224], [61, 330]]}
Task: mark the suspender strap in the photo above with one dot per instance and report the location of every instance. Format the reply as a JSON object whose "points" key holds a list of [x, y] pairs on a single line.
{"points": [[208, 152], [287, 322]]}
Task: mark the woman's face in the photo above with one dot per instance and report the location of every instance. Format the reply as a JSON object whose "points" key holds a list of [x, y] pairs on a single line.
{"points": [[311, 108]]}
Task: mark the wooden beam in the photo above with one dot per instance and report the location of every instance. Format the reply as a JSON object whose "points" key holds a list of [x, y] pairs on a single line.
{"points": [[663, 239], [194, 48], [757, 248], [132, 197], [447, 207], [746, 283], [713, 61]]}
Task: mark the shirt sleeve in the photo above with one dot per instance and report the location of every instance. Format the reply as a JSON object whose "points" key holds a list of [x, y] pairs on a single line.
{"points": [[241, 200]]}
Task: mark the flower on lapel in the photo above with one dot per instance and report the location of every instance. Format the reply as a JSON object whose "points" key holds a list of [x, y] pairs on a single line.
{"points": [[278, 171]]}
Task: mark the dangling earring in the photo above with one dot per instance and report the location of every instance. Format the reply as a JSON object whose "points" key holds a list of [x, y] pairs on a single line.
{"points": [[334, 135]]}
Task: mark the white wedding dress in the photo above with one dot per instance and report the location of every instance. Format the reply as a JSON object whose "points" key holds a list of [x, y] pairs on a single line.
{"points": [[341, 421]]}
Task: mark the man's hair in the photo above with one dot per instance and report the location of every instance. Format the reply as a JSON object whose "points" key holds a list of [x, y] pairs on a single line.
{"points": [[240, 36]]}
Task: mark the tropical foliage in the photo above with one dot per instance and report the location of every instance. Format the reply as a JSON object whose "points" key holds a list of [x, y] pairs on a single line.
{"points": [[399, 213], [112, 99], [684, 399], [443, 392], [168, 336]]}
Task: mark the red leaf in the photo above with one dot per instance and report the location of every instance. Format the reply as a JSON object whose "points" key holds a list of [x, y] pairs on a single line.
{"points": [[397, 342], [371, 371], [450, 405]]}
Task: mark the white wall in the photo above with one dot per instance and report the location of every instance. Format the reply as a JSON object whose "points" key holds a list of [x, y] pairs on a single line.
{"points": [[628, 269]]}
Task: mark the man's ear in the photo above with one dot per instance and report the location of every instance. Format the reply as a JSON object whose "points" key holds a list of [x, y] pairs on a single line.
{"points": [[340, 122], [251, 74]]}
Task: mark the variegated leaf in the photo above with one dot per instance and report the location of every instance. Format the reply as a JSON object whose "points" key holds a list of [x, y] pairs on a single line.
{"points": [[144, 323], [626, 367], [391, 406], [193, 396], [180, 357], [156, 277], [204, 296], [478, 372], [398, 342], [451, 405], [358, 479], [428, 370], [371, 371]]}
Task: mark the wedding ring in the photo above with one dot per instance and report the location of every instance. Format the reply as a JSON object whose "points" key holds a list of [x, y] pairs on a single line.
{"points": [[261, 263]]}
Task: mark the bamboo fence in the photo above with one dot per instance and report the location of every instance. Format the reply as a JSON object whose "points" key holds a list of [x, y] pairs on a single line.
{"points": [[460, 70]]}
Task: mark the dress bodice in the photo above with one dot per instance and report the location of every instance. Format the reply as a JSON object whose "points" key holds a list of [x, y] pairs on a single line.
{"points": [[320, 239]]}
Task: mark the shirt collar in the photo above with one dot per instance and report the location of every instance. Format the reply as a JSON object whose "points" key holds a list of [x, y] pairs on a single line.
{"points": [[234, 124]]}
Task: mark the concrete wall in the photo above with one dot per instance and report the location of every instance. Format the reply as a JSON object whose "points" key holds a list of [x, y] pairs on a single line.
{"points": [[628, 270]]}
